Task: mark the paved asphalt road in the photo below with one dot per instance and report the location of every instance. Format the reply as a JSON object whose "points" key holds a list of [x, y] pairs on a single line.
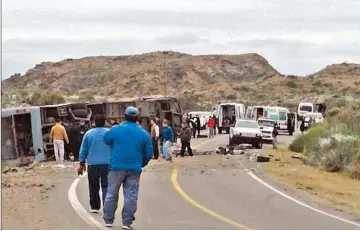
{"points": [[232, 198]]}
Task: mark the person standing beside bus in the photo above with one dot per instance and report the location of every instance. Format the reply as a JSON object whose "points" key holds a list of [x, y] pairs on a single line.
{"points": [[57, 136]]}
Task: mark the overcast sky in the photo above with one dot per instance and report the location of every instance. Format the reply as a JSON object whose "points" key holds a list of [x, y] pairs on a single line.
{"points": [[296, 36]]}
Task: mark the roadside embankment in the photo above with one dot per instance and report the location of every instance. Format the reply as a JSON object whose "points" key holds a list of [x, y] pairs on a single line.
{"points": [[325, 161]]}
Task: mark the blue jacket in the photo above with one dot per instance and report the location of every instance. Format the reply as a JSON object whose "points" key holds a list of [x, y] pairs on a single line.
{"points": [[93, 149], [167, 134], [131, 147]]}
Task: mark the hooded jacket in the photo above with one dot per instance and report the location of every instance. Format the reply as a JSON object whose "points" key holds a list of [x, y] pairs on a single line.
{"points": [[93, 149], [167, 134], [131, 147]]}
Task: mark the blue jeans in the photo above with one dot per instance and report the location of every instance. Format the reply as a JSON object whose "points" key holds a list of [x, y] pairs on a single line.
{"points": [[97, 175], [130, 181]]}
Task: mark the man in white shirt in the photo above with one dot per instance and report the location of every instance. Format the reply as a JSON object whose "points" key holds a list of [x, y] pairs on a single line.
{"points": [[155, 138]]}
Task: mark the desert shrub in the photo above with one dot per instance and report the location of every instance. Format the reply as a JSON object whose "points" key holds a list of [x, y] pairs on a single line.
{"points": [[86, 98], [335, 145], [308, 139], [291, 83], [334, 154], [333, 111], [231, 97], [47, 98]]}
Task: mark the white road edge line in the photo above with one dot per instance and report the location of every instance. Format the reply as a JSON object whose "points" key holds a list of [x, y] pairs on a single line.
{"points": [[79, 209], [297, 201]]}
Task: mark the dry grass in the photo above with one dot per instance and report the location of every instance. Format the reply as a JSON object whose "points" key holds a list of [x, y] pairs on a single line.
{"points": [[336, 189]]}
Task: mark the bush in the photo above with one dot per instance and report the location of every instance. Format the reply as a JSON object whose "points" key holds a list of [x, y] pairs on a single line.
{"points": [[335, 145], [334, 154], [308, 139], [291, 84], [40, 99], [86, 98], [333, 111]]}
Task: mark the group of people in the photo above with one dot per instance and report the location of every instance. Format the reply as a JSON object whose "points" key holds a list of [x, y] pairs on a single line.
{"points": [[194, 125], [114, 157], [66, 138]]}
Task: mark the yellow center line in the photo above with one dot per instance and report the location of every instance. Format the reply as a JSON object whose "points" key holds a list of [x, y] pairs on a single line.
{"points": [[186, 197]]}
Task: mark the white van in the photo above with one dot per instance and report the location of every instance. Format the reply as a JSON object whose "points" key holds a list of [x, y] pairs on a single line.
{"points": [[203, 115], [283, 115], [255, 112], [228, 113], [303, 108]]}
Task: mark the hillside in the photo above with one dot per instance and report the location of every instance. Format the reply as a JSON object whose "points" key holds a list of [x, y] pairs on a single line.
{"points": [[202, 80]]}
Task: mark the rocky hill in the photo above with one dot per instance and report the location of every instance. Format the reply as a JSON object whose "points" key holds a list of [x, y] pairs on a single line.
{"points": [[199, 81]]}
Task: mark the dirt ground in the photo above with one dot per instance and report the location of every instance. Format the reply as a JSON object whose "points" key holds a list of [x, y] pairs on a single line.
{"points": [[334, 189], [26, 194]]}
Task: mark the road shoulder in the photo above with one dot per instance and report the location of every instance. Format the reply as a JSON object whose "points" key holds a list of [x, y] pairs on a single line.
{"points": [[332, 192], [37, 198]]}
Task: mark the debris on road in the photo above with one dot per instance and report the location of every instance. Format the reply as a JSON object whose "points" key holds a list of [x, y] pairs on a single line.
{"points": [[233, 150], [296, 157], [202, 136], [261, 158]]}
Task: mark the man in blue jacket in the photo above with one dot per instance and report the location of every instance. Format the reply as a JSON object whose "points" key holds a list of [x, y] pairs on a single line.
{"points": [[97, 154], [131, 150], [167, 139]]}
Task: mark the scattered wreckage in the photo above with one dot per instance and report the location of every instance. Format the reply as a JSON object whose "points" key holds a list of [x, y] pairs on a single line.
{"points": [[26, 131], [243, 149]]}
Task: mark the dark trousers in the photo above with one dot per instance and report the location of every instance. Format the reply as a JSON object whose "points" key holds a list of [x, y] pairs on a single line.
{"points": [[215, 130], [185, 144], [97, 175], [155, 144], [194, 132], [75, 149], [198, 130]]}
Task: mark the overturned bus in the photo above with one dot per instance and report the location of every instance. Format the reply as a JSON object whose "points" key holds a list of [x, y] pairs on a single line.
{"points": [[26, 131], [151, 107]]}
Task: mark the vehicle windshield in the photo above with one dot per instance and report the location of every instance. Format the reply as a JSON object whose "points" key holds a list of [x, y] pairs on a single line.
{"points": [[246, 124], [266, 123], [305, 108]]}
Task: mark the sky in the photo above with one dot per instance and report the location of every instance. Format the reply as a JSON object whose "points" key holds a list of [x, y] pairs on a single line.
{"points": [[296, 36]]}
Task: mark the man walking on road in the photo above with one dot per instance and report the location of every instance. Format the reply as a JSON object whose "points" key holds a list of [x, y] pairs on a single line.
{"points": [[167, 140], [215, 120], [57, 136], [274, 135], [155, 133], [211, 126], [198, 124], [185, 137], [97, 154], [131, 150]]}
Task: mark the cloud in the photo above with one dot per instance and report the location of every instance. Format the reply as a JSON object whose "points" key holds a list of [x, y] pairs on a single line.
{"points": [[297, 37]]}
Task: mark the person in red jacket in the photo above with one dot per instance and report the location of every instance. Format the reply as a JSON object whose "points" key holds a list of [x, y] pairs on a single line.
{"points": [[211, 126]]}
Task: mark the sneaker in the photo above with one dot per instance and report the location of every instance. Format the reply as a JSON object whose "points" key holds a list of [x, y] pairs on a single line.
{"points": [[94, 211], [108, 225], [127, 227]]}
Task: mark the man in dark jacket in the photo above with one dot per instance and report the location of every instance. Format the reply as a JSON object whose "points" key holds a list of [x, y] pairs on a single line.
{"points": [[185, 137], [216, 122], [193, 128], [198, 125], [274, 135], [76, 136]]}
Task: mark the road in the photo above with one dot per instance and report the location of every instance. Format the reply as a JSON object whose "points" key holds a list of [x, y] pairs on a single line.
{"points": [[212, 192]]}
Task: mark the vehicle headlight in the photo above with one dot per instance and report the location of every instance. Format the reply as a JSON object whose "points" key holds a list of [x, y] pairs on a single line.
{"points": [[258, 135]]}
